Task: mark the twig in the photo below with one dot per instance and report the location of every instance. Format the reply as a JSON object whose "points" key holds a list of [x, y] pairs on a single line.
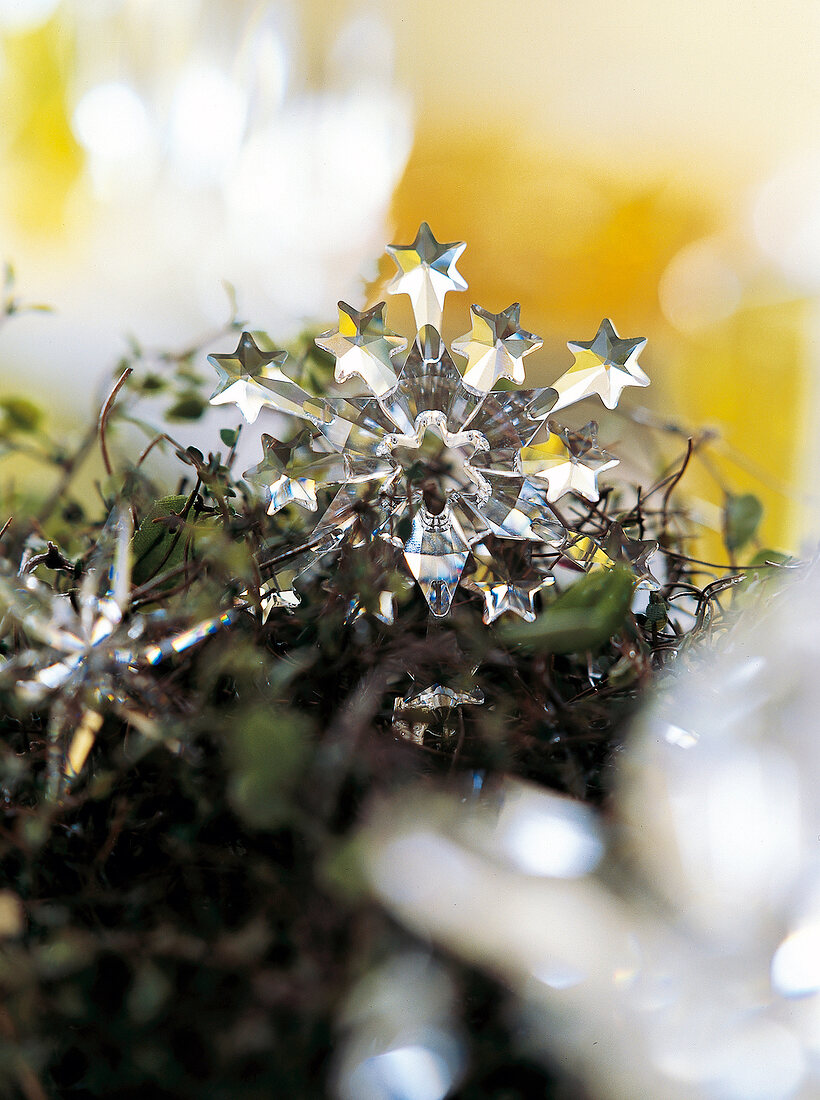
{"points": [[690, 446], [104, 414], [167, 593]]}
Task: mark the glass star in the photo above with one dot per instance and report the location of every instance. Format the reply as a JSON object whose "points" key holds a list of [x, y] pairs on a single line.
{"points": [[363, 347], [507, 580], [604, 366], [427, 272], [574, 470], [277, 488], [619, 547], [243, 377], [495, 348]]}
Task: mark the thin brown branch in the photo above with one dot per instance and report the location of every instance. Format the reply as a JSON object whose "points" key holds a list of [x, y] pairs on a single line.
{"points": [[105, 412], [690, 446]]}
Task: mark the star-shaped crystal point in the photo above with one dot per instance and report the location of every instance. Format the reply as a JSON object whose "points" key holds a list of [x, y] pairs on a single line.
{"points": [[363, 347], [277, 487], [495, 348], [271, 597], [605, 366], [575, 469], [383, 608], [436, 554], [427, 272], [244, 375], [619, 547], [507, 584]]}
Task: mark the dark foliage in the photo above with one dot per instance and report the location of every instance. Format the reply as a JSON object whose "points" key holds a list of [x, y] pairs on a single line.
{"points": [[184, 919]]}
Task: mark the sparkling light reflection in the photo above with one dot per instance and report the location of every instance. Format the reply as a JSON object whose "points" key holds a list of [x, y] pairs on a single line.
{"points": [[111, 122], [544, 834], [400, 1041], [406, 1073], [796, 963]]}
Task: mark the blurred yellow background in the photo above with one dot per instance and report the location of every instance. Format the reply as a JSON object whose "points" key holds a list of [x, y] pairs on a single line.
{"points": [[658, 164]]}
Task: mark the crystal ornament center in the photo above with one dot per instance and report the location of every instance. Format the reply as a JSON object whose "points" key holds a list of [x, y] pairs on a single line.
{"points": [[432, 460], [437, 461]]}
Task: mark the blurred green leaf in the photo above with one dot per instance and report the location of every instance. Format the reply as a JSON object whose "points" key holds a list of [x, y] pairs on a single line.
{"points": [[342, 870], [581, 618], [151, 383], [770, 557], [149, 992], [741, 519], [269, 750], [20, 414], [762, 579], [65, 953], [190, 405]]}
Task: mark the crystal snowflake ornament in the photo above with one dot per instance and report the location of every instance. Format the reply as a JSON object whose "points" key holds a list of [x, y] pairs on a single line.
{"points": [[434, 461], [93, 654]]}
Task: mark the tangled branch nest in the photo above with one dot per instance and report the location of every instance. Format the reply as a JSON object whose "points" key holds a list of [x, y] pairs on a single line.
{"points": [[180, 779]]}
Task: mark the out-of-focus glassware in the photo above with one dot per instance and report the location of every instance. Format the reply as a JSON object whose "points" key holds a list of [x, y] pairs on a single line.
{"points": [[673, 950], [211, 154]]}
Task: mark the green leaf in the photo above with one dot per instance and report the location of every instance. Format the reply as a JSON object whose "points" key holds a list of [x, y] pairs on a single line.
{"points": [[771, 557], [762, 578], [149, 991], [20, 414], [186, 374], [228, 436], [153, 545], [741, 519], [342, 871], [581, 618], [152, 383], [269, 748], [189, 406]]}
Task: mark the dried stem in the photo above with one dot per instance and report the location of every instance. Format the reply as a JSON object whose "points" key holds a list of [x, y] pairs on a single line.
{"points": [[105, 412]]}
